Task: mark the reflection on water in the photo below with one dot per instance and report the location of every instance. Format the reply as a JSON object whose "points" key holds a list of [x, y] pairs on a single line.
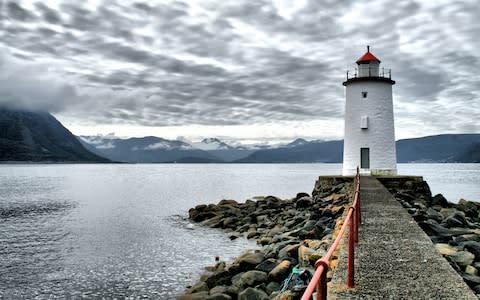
{"points": [[106, 231]]}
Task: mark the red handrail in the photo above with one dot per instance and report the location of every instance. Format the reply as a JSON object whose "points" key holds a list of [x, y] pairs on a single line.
{"points": [[353, 219]]}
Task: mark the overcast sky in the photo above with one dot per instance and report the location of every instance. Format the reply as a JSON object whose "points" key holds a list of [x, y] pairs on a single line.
{"points": [[237, 69]]}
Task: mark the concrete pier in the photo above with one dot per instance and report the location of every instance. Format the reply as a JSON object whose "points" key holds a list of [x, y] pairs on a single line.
{"points": [[394, 259]]}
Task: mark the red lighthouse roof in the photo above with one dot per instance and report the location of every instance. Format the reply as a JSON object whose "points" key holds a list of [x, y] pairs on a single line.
{"points": [[367, 57]]}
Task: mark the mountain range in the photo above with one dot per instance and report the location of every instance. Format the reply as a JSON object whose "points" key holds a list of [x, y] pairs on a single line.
{"points": [[439, 148], [39, 137]]}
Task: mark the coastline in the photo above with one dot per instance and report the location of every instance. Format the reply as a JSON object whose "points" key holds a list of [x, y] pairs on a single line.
{"points": [[292, 234], [292, 250]]}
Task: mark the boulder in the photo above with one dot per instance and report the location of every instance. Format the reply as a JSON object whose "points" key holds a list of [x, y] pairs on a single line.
{"points": [[434, 215], [249, 278], [471, 270], [252, 234], [194, 296], [249, 259], [281, 271], [252, 294], [457, 219], [471, 279], [473, 247], [230, 290], [218, 278], [198, 287], [301, 195], [304, 202], [471, 209], [229, 222], [214, 222], [267, 265], [228, 202], [463, 258], [445, 249], [439, 200], [273, 286], [219, 297], [289, 251], [433, 229]]}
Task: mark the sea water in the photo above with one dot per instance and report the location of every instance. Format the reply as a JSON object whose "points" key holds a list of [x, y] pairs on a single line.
{"points": [[121, 230]]}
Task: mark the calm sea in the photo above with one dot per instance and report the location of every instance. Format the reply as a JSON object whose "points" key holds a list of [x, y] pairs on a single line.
{"points": [[117, 231]]}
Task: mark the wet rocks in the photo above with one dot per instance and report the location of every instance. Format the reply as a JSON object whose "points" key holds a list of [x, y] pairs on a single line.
{"points": [[454, 228], [291, 233]]}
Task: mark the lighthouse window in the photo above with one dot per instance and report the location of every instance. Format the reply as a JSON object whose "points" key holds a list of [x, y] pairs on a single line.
{"points": [[364, 95]]}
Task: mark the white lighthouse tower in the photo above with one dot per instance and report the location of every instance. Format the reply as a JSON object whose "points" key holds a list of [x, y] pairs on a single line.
{"points": [[369, 141]]}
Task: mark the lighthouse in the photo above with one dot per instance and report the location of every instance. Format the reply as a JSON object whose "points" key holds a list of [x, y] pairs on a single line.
{"points": [[369, 140]]}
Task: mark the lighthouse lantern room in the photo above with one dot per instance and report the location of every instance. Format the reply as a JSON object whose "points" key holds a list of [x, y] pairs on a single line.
{"points": [[369, 140]]}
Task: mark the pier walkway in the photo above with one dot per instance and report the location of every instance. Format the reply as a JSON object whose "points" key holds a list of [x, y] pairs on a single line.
{"points": [[394, 258]]}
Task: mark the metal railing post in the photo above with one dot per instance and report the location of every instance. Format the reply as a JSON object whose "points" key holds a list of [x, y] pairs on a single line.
{"points": [[351, 252], [322, 282]]}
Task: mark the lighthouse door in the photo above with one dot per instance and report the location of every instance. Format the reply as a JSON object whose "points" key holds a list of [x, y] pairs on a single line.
{"points": [[365, 158]]}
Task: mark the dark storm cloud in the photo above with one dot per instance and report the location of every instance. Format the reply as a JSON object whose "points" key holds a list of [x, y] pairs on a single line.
{"points": [[158, 63], [50, 15], [17, 12]]}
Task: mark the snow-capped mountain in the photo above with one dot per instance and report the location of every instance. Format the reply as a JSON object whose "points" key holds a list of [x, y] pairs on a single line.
{"points": [[296, 143], [143, 150], [209, 144]]}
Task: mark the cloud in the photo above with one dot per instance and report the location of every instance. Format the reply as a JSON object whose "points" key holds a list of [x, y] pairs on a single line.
{"points": [[31, 86], [164, 64]]}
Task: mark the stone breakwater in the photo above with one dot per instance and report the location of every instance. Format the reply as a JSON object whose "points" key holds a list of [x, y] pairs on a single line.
{"points": [[453, 228], [292, 235]]}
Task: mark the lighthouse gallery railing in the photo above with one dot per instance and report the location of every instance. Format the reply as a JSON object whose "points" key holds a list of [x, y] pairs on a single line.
{"points": [[353, 219], [370, 72]]}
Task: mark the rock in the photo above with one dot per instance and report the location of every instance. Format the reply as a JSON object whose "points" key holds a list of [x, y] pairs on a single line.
{"points": [[272, 286], [289, 251], [334, 197], [198, 216], [456, 220], [220, 266], [439, 200], [434, 215], [435, 230], [219, 297], [304, 202], [252, 234], [229, 222], [463, 258], [471, 279], [280, 272], [218, 278], [471, 270], [249, 259], [267, 265], [233, 237], [228, 202], [473, 247], [230, 290], [470, 208], [214, 222], [249, 278], [446, 249], [405, 196], [469, 237], [301, 195], [447, 211], [194, 296], [252, 294], [319, 253], [198, 287]]}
